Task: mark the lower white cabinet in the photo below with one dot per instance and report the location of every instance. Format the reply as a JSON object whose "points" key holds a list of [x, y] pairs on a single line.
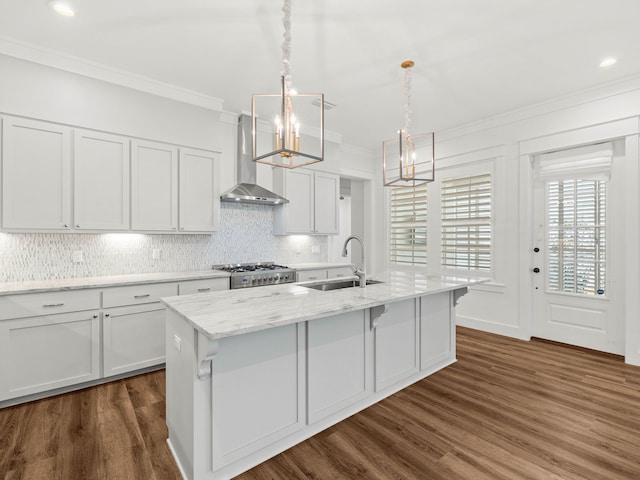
{"points": [[203, 286], [133, 338], [47, 352], [324, 273], [396, 337], [51, 341], [337, 351], [437, 333]]}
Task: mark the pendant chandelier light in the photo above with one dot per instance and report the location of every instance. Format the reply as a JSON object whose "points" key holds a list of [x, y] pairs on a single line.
{"points": [[408, 160], [295, 133]]}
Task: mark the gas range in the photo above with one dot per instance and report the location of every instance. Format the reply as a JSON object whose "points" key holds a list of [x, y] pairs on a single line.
{"points": [[245, 275]]}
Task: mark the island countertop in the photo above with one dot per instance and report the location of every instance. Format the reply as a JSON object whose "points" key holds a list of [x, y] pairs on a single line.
{"points": [[227, 313]]}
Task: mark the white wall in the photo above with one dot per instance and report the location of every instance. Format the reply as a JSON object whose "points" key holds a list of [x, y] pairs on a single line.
{"points": [[506, 143]]}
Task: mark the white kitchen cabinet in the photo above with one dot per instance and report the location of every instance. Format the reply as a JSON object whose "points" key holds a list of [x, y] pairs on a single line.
{"points": [[45, 344], [101, 181], [133, 328], [133, 338], [337, 356], [199, 197], [154, 186], [309, 275], [396, 343], [437, 330], [313, 202], [339, 272], [203, 286], [36, 175], [324, 273]]}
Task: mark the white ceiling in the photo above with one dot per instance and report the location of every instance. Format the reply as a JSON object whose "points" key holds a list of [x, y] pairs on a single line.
{"points": [[474, 58]]}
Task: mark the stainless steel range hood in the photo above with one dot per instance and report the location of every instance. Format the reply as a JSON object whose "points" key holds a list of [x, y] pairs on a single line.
{"points": [[246, 190]]}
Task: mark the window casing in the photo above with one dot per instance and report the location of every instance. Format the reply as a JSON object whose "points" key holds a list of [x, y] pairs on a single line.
{"points": [[466, 214], [408, 226]]}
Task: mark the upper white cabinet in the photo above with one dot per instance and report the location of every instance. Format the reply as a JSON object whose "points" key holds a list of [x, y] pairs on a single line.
{"points": [[59, 179], [101, 181], [313, 202], [36, 175], [199, 196], [154, 186]]}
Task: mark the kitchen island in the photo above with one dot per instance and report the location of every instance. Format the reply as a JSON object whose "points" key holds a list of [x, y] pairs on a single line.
{"points": [[252, 372]]}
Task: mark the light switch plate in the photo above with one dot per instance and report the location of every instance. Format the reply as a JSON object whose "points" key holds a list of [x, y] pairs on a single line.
{"points": [[177, 342], [315, 249]]}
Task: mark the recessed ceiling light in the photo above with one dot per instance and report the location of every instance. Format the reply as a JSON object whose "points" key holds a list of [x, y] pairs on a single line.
{"points": [[607, 62], [62, 8]]}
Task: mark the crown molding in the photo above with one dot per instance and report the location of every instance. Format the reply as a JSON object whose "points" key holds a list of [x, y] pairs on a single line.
{"points": [[80, 66]]}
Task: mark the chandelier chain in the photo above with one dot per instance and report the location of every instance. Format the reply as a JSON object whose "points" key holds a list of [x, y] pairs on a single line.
{"points": [[286, 44], [407, 100]]}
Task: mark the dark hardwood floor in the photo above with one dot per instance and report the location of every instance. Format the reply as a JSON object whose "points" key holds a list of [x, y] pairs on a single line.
{"points": [[506, 410]]}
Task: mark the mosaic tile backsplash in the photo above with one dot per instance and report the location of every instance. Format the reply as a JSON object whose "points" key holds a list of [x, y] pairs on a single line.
{"points": [[245, 235]]}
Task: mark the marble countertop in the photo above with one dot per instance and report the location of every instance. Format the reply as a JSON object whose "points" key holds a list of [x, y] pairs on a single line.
{"points": [[11, 288], [224, 314]]}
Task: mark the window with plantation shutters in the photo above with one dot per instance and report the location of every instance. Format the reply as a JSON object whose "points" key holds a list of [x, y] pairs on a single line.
{"points": [[408, 226], [466, 211], [576, 236]]}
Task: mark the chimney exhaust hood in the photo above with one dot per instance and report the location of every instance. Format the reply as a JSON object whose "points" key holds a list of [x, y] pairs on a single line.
{"points": [[246, 190]]}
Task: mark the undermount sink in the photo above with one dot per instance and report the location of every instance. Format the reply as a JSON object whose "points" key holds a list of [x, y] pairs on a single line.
{"points": [[325, 286]]}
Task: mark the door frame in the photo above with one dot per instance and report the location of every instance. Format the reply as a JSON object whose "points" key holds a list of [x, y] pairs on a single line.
{"points": [[627, 129]]}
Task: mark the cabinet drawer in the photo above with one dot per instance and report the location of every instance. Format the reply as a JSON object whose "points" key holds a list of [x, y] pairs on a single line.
{"points": [[307, 275], [34, 304], [203, 286], [339, 272], [137, 294]]}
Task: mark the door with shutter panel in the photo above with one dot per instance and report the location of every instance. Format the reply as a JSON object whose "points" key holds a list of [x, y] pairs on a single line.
{"points": [[574, 265]]}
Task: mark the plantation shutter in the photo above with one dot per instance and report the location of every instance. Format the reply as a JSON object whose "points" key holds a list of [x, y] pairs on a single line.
{"points": [[466, 222], [408, 226]]}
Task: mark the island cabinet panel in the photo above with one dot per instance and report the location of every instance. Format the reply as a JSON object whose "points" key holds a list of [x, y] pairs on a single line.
{"points": [[396, 343], [133, 338], [337, 354], [258, 391], [48, 352], [437, 330]]}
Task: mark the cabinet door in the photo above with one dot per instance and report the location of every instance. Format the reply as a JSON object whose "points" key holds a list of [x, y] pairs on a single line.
{"points": [[154, 186], [101, 181], [47, 352], [199, 195], [337, 354], [36, 174], [396, 343], [299, 210], [326, 198], [437, 330], [133, 338]]}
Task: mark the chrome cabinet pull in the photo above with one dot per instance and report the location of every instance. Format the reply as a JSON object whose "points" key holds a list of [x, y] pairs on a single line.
{"points": [[204, 289], [142, 296], [53, 304]]}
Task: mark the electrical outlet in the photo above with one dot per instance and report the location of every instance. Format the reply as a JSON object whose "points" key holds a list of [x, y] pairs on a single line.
{"points": [[315, 249], [77, 256], [177, 342], [156, 254]]}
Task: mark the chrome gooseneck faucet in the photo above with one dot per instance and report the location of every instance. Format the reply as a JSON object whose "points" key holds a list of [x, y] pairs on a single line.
{"points": [[360, 273]]}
